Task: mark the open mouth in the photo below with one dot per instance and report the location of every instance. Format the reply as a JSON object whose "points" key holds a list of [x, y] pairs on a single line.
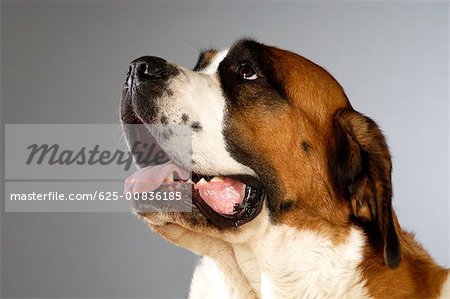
{"points": [[226, 201]]}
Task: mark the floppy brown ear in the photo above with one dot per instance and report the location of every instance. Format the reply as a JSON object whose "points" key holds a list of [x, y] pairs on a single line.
{"points": [[360, 167]]}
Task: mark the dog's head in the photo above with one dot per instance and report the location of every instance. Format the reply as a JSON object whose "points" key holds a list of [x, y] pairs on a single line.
{"points": [[270, 130]]}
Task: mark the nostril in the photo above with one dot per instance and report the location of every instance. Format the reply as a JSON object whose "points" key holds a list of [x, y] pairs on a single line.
{"points": [[142, 70]]}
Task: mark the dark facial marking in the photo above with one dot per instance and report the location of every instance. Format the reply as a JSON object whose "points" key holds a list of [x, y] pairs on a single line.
{"points": [[306, 146], [166, 135], [286, 205], [264, 90], [164, 120], [184, 118], [196, 127]]}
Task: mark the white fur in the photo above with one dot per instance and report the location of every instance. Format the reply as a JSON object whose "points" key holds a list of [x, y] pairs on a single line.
{"points": [[288, 263], [211, 68], [445, 292], [306, 265], [208, 281], [217, 280]]}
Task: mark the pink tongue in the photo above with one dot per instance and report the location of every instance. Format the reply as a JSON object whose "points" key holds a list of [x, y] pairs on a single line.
{"points": [[222, 196], [150, 178]]}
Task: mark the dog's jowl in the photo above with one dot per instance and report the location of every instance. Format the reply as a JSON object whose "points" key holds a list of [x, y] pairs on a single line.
{"points": [[291, 187]]}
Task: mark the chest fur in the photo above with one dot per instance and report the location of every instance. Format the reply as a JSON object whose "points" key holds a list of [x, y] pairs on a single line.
{"points": [[287, 263]]}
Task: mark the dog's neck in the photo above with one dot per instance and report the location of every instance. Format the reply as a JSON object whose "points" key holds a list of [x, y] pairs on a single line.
{"points": [[285, 262]]}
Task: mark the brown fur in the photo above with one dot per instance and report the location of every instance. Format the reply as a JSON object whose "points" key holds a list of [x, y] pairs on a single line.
{"points": [[417, 276]]}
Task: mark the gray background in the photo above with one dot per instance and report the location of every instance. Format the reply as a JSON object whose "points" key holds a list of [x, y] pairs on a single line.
{"points": [[64, 62]]}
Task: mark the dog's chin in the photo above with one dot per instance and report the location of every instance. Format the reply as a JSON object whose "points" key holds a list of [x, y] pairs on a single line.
{"points": [[226, 212]]}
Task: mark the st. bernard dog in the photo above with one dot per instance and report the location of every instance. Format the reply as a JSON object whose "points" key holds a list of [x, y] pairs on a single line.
{"points": [[291, 186]]}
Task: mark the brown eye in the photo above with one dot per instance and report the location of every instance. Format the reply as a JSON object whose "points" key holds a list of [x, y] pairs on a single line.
{"points": [[247, 72]]}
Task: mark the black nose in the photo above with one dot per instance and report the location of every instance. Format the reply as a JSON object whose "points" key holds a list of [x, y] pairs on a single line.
{"points": [[147, 68]]}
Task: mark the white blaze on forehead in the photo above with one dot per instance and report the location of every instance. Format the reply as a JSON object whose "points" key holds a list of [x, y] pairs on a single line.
{"points": [[211, 68]]}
